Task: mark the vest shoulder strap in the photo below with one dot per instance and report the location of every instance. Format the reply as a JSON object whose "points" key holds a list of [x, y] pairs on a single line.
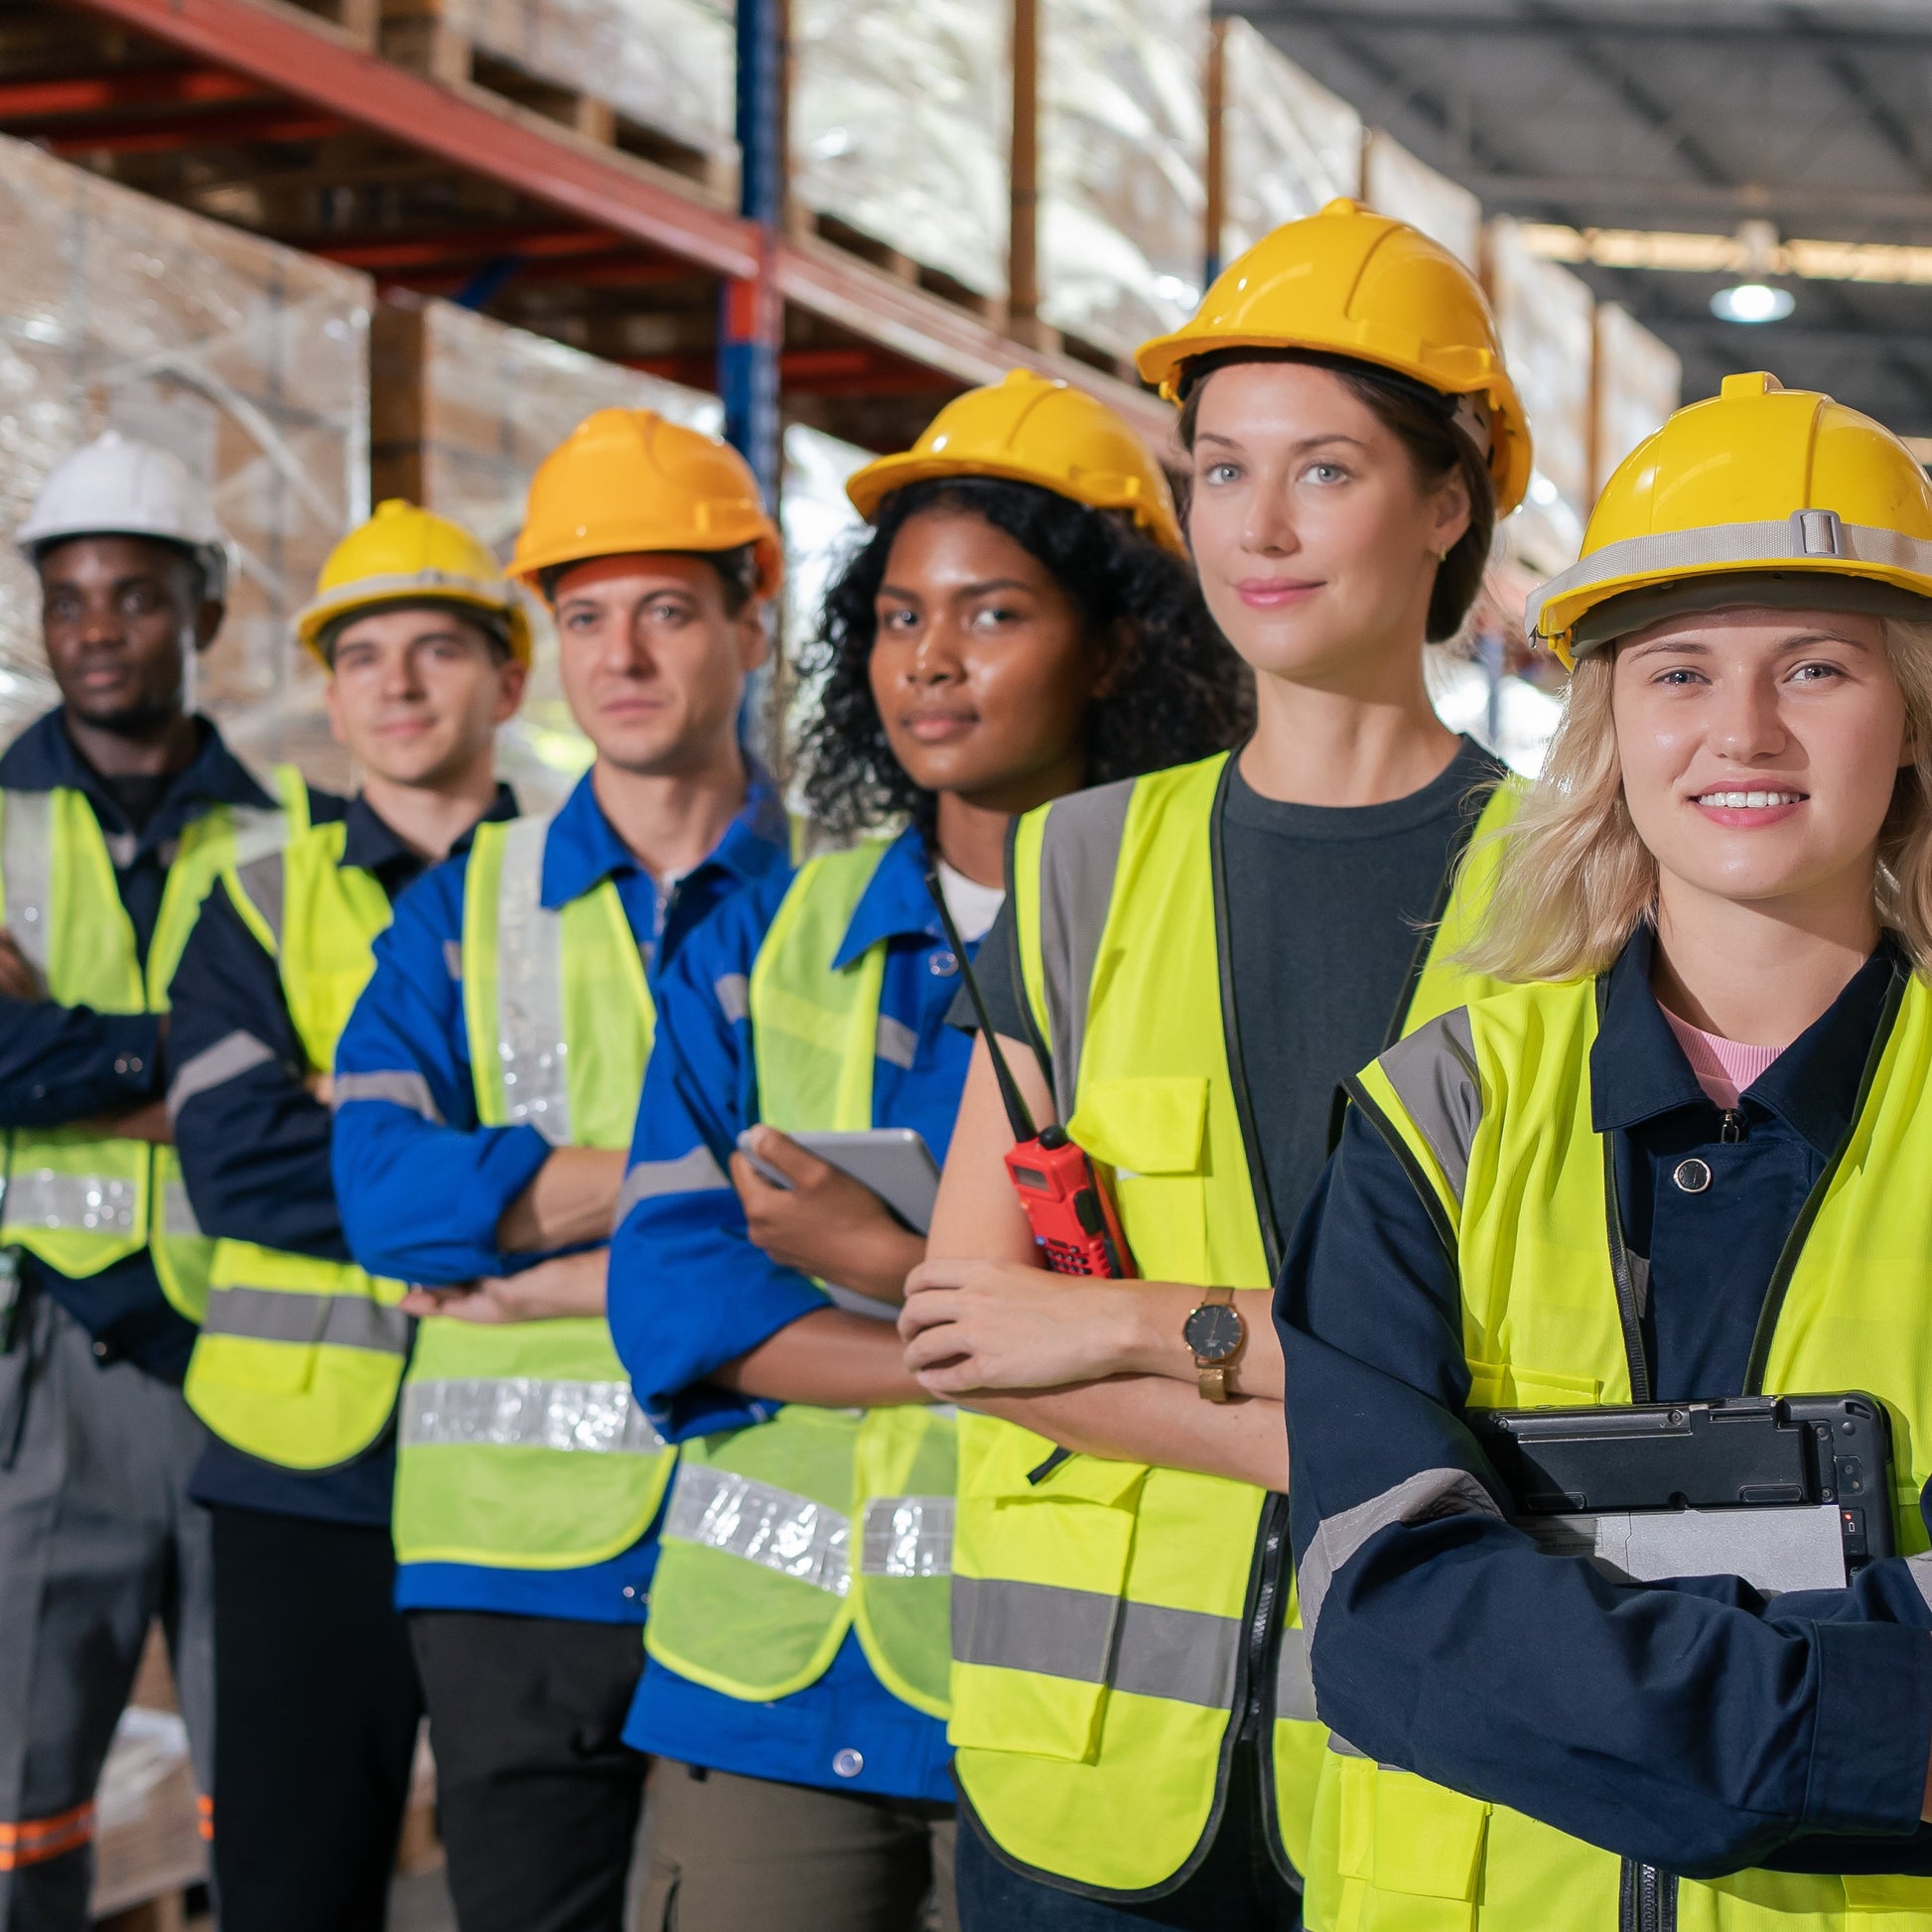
{"points": [[816, 1031], [512, 978], [1066, 857]]}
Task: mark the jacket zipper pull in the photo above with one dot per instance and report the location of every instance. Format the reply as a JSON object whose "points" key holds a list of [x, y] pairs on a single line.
{"points": [[1734, 1125]]}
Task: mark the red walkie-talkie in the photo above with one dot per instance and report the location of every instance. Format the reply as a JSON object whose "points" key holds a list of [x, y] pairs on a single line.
{"points": [[1071, 1214]]}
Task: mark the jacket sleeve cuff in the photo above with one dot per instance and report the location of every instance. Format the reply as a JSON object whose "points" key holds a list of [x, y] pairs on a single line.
{"points": [[506, 1164], [1873, 1731], [131, 1050]]}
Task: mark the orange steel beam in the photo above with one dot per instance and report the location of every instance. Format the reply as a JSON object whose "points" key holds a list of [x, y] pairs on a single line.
{"points": [[882, 308], [96, 94], [165, 133], [314, 62], [400, 253]]}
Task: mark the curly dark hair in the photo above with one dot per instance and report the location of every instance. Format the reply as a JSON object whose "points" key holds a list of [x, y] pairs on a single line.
{"points": [[1178, 694]]}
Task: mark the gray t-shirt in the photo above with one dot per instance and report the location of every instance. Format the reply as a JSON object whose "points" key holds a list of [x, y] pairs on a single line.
{"points": [[1328, 910]]}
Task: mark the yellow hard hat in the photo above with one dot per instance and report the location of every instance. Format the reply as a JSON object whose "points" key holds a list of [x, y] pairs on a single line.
{"points": [[1032, 429], [1758, 496], [626, 481], [402, 556], [1350, 282]]}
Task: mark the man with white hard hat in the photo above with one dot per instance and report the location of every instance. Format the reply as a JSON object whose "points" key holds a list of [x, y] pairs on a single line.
{"points": [[117, 811]]}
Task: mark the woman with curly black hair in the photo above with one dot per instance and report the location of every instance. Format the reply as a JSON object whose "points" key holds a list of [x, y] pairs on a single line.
{"points": [[1020, 621], [1170, 688]]}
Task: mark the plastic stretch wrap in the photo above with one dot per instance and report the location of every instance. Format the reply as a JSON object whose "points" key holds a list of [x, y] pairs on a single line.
{"points": [[667, 64], [494, 402], [821, 531], [1546, 318], [1640, 382], [1123, 145], [1394, 182], [900, 119], [248, 361], [1288, 145]]}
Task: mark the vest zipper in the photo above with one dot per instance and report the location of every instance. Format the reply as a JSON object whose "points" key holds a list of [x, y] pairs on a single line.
{"points": [[1646, 1899]]}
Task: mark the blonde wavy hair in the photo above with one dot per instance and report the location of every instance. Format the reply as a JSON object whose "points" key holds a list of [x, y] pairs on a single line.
{"points": [[1573, 881]]}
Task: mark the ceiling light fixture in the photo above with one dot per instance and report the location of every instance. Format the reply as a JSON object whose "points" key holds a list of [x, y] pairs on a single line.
{"points": [[1752, 301]]}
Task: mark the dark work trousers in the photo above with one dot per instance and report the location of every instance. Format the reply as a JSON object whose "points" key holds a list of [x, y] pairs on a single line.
{"points": [[725, 1854], [97, 1536], [1235, 1889], [536, 1793], [315, 1711]]}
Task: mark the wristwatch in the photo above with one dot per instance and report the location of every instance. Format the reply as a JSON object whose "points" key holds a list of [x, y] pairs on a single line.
{"points": [[1217, 1335]]}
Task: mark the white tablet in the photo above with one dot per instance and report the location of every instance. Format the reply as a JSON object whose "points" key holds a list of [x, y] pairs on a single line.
{"points": [[893, 1162]]}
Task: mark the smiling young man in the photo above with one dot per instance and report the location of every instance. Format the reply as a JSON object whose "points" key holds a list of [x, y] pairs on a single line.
{"points": [[296, 1372], [117, 811], [485, 1092]]}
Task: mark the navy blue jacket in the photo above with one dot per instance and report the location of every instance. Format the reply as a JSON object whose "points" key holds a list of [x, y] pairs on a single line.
{"points": [[254, 1140], [1694, 1725], [63, 1064]]}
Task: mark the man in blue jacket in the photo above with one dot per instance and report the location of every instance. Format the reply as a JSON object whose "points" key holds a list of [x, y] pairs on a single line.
{"points": [[484, 1091]]}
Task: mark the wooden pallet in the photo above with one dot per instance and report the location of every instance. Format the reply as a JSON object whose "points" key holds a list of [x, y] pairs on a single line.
{"points": [[416, 34], [902, 267]]}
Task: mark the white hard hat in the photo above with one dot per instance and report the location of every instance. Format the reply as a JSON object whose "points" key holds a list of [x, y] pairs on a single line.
{"points": [[119, 487]]}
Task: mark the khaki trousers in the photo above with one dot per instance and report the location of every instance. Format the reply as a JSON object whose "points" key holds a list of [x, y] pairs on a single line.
{"points": [[726, 1854]]}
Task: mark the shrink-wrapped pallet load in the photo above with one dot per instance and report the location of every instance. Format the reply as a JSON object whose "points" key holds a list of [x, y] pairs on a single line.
{"points": [[465, 409], [1546, 317], [667, 65], [1397, 184], [1123, 149], [899, 122], [1640, 382], [249, 361], [1288, 145]]}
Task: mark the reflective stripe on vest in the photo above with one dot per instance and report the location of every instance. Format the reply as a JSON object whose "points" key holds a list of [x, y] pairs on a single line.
{"points": [[521, 1446], [511, 1412], [1102, 1777], [82, 1201], [298, 1359], [767, 1508], [1514, 1186]]}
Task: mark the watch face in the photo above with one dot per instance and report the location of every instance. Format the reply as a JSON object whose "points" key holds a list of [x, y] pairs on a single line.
{"points": [[1213, 1332]]}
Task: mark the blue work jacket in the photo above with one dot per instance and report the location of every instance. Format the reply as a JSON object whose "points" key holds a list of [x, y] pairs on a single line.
{"points": [[1778, 1724], [421, 1197], [689, 1292]]}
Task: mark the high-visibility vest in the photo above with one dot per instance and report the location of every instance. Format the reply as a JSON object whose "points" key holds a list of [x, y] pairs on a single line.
{"points": [[521, 1446], [298, 1359], [1519, 1188], [1109, 1618], [77, 1200], [783, 1536]]}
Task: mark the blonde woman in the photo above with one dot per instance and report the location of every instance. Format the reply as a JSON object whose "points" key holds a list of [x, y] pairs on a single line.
{"points": [[1687, 1161]]}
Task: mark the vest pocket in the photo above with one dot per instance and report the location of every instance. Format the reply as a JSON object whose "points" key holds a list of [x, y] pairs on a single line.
{"points": [[1152, 1132], [1412, 1848], [1035, 1605]]}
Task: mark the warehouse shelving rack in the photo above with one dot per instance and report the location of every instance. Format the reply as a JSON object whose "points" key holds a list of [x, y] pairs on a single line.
{"points": [[357, 135]]}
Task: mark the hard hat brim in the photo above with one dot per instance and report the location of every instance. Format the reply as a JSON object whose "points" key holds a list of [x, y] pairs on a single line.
{"points": [[372, 595], [530, 567], [1808, 543], [1163, 363], [869, 487]]}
